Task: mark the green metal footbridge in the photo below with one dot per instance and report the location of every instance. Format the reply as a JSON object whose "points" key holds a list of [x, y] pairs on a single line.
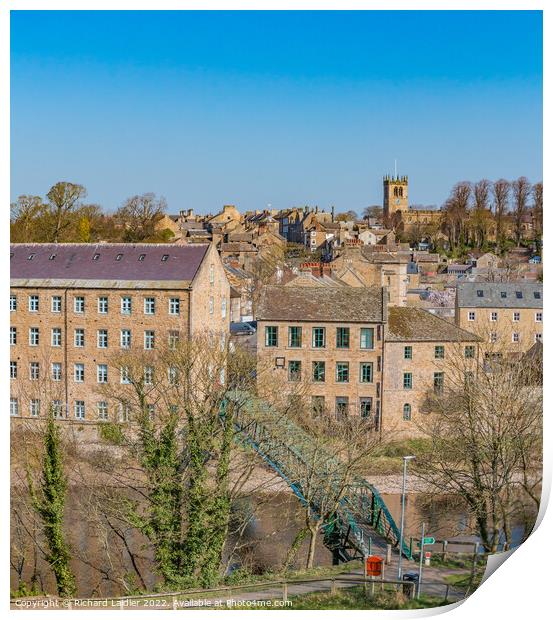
{"points": [[362, 523]]}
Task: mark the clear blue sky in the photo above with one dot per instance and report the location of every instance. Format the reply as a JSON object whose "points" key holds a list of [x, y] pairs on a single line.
{"points": [[286, 108]]}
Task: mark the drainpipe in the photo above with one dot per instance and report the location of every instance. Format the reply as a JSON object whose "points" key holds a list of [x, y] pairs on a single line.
{"points": [[384, 321], [66, 369]]}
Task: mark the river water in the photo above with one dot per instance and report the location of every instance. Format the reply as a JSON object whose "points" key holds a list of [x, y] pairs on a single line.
{"points": [[103, 562]]}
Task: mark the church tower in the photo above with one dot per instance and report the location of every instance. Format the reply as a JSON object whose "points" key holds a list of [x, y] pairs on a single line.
{"points": [[395, 195]]}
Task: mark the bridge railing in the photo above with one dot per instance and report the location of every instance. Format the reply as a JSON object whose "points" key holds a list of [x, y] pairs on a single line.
{"points": [[288, 449]]}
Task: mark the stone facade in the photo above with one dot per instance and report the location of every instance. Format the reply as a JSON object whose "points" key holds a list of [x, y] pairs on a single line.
{"points": [[335, 361], [81, 323], [508, 316]]}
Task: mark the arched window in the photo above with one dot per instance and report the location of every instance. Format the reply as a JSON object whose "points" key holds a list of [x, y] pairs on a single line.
{"points": [[407, 412], [401, 192]]}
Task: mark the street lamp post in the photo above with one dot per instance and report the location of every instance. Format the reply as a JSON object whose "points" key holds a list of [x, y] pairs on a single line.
{"points": [[403, 491]]}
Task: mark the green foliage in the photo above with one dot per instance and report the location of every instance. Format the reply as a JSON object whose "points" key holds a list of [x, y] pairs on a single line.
{"points": [[357, 598], [49, 504], [111, 433], [24, 590]]}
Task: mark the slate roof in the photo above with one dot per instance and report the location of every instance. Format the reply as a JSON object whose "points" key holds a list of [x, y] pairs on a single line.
{"points": [[499, 295], [406, 324], [323, 304], [105, 261]]}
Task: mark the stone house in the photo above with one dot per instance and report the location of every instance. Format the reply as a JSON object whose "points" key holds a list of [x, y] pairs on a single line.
{"points": [[418, 349], [74, 305], [507, 315], [326, 340]]}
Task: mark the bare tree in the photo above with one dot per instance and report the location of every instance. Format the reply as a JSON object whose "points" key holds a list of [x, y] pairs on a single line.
{"points": [[24, 217], [479, 212], [537, 212], [484, 426], [64, 198], [455, 213], [139, 215], [500, 193], [522, 190]]}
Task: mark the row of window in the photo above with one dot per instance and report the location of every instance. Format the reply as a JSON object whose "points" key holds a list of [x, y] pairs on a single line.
{"points": [[101, 373], [538, 316], [79, 409], [343, 406], [439, 352], [319, 337], [102, 304], [125, 337], [438, 380], [503, 294], [516, 337], [174, 305], [342, 371]]}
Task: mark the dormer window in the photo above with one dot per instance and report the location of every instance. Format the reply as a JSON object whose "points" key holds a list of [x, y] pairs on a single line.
{"points": [[480, 293], [165, 257], [119, 257], [537, 295], [503, 294], [142, 257], [519, 294]]}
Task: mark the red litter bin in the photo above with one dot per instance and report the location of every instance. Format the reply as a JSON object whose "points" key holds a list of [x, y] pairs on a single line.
{"points": [[373, 565]]}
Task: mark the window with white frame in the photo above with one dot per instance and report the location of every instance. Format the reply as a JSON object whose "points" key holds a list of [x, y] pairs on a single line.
{"points": [[223, 308], [149, 305], [149, 337], [516, 337], [173, 338], [124, 412], [78, 304], [125, 338], [211, 305], [493, 316], [14, 406], [516, 316], [493, 337], [34, 336], [57, 409], [174, 306], [79, 409], [13, 303], [539, 317], [211, 274], [56, 371], [148, 375], [102, 410], [33, 303], [126, 305], [56, 337], [538, 337], [151, 409], [78, 374], [34, 371], [102, 373], [472, 315], [34, 407], [102, 338], [56, 303], [103, 305], [13, 370], [125, 375], [79, 337], [13, 335], [172, 375]]}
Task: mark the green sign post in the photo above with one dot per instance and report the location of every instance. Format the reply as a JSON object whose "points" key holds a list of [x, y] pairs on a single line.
{"points": [[428, 540]]}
